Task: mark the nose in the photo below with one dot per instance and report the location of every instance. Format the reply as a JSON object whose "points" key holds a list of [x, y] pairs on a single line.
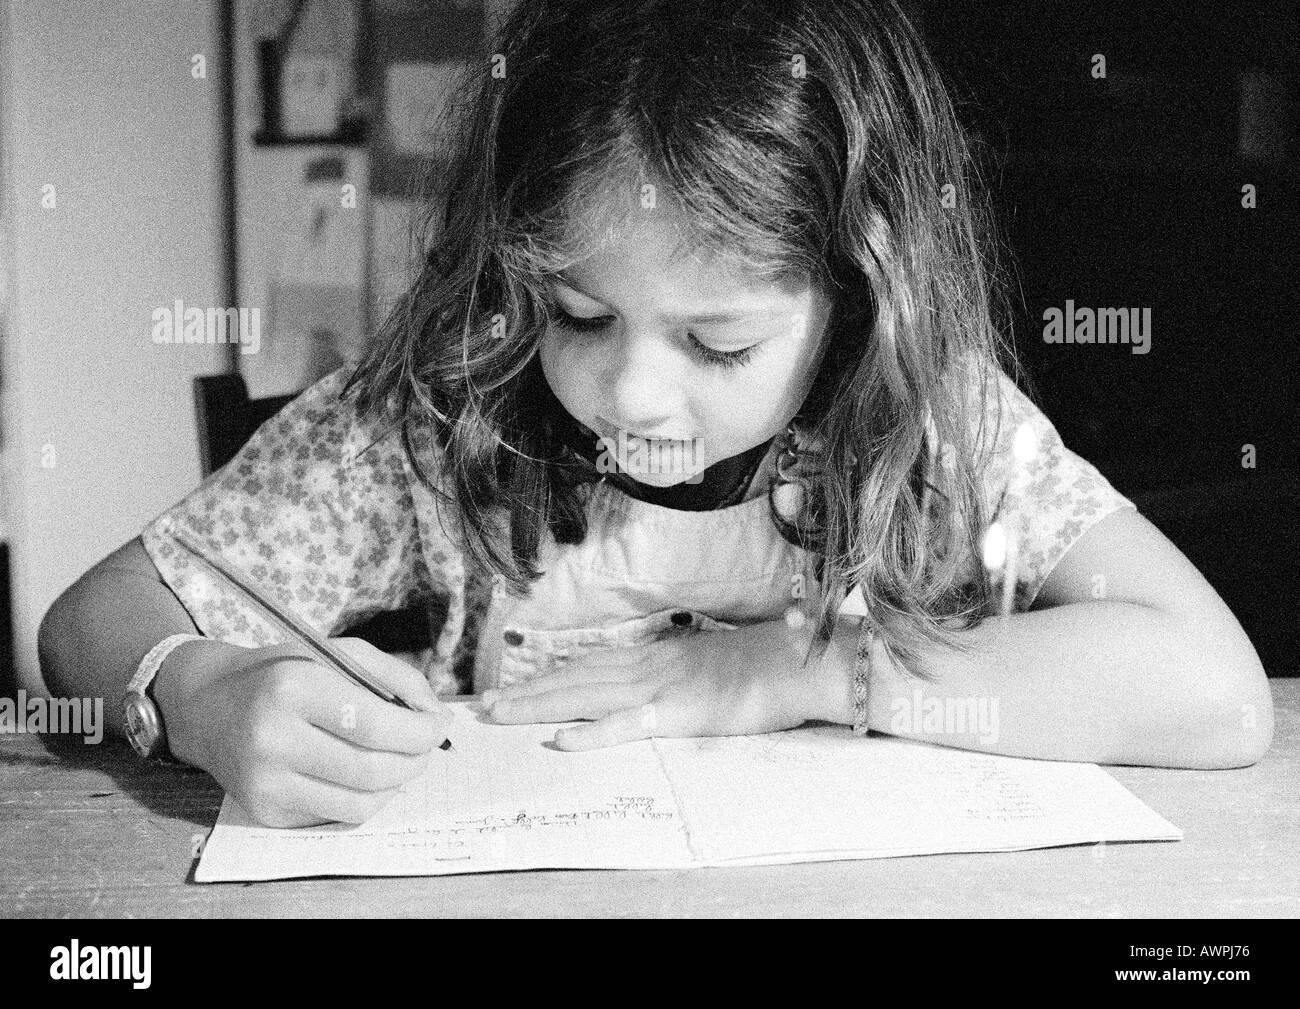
{"points": [[643, 386]]}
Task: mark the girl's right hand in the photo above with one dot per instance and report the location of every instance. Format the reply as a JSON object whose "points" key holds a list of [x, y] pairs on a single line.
{"points": [[294, 742]]}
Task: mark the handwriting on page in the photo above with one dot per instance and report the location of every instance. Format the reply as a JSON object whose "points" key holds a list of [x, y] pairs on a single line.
{"points": [[507, 798], [990, 793], [826, 791], [463, 838], [461, 833], [502, 798]]}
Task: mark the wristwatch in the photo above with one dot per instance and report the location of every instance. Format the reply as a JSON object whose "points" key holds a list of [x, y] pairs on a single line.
{"points": [[141, 719]]}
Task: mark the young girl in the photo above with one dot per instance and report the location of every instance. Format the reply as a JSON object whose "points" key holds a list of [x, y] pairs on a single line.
{"points": [[703, 344]]}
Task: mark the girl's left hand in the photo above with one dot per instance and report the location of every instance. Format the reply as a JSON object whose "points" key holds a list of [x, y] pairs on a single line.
{"points": [[712, 683]]}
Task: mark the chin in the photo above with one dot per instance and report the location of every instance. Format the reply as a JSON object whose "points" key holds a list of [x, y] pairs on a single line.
{"points": [[663, 480]]}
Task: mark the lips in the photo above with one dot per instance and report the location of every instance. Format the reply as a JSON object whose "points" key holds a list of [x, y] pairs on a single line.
{"points": [[611, 431]]}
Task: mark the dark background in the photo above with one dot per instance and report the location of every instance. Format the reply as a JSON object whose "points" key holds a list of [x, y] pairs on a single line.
{"points": [[1126, 192]]}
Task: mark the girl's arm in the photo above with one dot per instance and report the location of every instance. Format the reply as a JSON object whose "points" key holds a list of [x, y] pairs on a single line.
{"points": [[94, 636], [258, 719], [1156, 671], [318, 509]]}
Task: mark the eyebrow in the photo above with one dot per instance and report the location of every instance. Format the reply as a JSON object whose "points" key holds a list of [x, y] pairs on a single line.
{"points": [[764, 309]]}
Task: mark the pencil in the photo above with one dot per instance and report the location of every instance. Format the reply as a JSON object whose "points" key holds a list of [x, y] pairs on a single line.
{"points": [[331, 656]]}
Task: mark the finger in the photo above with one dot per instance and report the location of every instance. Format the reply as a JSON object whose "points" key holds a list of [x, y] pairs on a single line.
{"points": [[553, 681], [537, 685], [351, 712], [335, 803], [326, 757], [605, 665], [621, 661], [627, 664], [396, 674], [626, 726], [589, 700], [399, 676]]}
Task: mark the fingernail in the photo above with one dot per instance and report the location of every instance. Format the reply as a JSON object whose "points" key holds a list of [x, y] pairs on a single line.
{"points": [[427, 702]]}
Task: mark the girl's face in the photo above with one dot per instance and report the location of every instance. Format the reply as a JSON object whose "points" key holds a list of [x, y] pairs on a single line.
{"points": [[678, 359]]}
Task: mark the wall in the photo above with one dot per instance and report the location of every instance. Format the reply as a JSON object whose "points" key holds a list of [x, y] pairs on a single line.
{"points": [[312, 297], [310, 293], [99, 101]]}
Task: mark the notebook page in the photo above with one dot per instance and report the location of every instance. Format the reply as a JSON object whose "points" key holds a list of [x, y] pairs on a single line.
{"points": [[502, 798], [821, 793]]}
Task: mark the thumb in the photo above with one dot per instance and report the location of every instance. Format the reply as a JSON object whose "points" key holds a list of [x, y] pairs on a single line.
{"points": [[398, 675]]}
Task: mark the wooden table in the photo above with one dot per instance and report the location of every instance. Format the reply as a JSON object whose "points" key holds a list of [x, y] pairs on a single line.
{"points": [[91, 831]]}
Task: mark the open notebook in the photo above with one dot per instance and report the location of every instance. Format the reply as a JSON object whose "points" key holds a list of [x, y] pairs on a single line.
{"points": [[505, 798]]}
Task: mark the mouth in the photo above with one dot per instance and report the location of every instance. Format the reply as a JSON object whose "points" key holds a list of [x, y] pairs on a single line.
{"points": [[653, 460], [602, 428]]}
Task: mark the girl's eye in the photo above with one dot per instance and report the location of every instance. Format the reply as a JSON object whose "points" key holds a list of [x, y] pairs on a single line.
{"points": [[719, 358], [581, 325]]}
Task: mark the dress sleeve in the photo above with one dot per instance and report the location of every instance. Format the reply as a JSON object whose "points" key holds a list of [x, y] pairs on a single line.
{"points": [[1047, 503], [321, 511]]}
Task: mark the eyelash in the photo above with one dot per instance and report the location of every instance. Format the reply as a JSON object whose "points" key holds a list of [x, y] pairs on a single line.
{"points": [[718, 358]]}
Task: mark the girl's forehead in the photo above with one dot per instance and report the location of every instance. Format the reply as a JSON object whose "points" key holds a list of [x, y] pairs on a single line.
{"points": [[607, 223], [625, 224], [658, 245], [627, 267]]}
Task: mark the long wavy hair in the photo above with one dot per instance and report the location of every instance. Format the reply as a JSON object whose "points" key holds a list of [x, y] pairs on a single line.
{"points": [[811, 138]]}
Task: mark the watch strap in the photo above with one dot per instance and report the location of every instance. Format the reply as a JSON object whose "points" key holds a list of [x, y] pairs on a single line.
{"points": [[153, 660], [145, 673]]}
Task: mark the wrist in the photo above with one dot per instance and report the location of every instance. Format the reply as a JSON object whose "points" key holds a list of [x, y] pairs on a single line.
{"points": [[826, 683], [839, 675], [182, 673]]}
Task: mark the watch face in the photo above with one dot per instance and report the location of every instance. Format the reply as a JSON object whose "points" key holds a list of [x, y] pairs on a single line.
{"points": [[143, 728]]}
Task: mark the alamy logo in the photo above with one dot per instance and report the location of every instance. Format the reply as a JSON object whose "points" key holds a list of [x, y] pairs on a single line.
{"points": [[73, 716], [179, 324], [75, 962], [1105, 325], [950, 715], [651, 456]]}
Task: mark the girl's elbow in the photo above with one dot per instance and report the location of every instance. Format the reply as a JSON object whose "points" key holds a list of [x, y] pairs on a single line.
{"points": [[51, 636], [58, 636], [1238, 719], [1247, 744], [1229, 722], [1239, 749]]}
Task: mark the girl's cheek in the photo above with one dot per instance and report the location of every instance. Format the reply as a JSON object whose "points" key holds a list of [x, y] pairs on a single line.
{"points": [[777, 392], [794, 370], [571, 350], [743, 414], [562, 362]]}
